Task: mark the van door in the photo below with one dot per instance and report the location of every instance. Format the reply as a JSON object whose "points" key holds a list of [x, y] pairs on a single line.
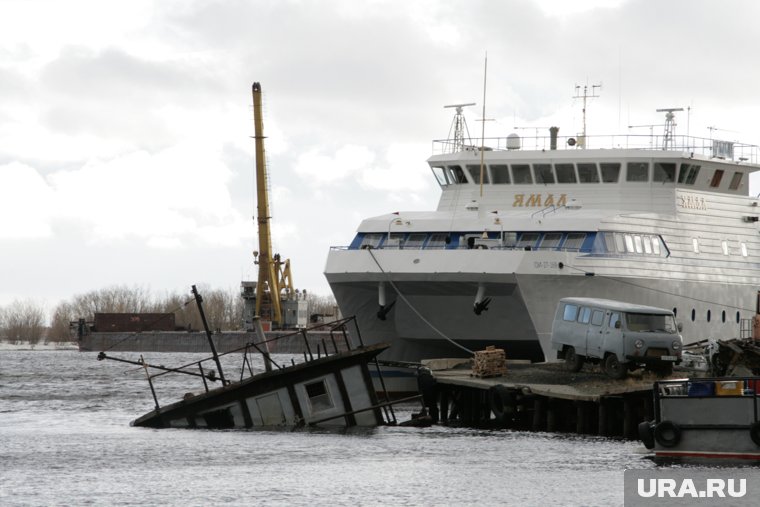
{"points": [[594, 336], [613, 335]]}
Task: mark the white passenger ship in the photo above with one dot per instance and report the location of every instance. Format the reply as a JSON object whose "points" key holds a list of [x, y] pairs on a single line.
{"points": [[661, 220]]}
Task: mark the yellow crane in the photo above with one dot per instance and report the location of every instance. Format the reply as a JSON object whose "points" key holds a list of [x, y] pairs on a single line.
{"points": [[275, 283]]}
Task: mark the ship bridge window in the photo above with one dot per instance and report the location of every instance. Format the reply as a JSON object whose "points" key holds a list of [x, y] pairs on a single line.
{"points": [[664, 171], [688, 174], [543, 173], [565, 173], [371, 240], [521, 174], [456, 174], [736, 180], [574, 241], [528, 239], [440, 175], [587, 173], [437, 240], [551, 240], [415, 241], [637, 171], [717, 176], [474, 171], [610, 172], [499, 174]]}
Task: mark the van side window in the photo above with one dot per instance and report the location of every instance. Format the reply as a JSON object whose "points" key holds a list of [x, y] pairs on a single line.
{"points": [[585, 315], [614, 318], [571, 312], [597, 317]]}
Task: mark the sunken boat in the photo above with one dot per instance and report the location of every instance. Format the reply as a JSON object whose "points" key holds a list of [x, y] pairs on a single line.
{"points": [[331, 386]]}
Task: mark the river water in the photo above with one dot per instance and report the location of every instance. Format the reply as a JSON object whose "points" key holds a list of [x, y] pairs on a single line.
{"points": [[65, 439]]}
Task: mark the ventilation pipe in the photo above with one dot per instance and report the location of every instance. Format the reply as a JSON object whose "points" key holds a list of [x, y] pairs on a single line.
{"points": [[553, 133]]}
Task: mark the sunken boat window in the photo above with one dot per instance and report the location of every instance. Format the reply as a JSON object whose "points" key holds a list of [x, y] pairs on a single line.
{"points": [[456, 174], [521, 174], [440, 175], [415, 241], [319, 397], [371, 240], [637, 171], [736, 180], [610, 172], [565, 173], [474, 171], [543, 173], [551, 240], [587, 173], [664, 171], [499, 174], [717, 176], [574, 241]]}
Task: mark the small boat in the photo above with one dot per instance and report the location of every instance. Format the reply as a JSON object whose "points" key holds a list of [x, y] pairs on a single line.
{"points": [[705, 418]]}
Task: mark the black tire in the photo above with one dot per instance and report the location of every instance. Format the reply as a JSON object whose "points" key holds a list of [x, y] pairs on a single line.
{"points": [[646, 434], [667, 434], [614, 368], [573, 362], [502, 404], [754, 432]]}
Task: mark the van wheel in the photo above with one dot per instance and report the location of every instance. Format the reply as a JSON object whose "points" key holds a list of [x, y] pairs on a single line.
{"points": [[614, 368], [573, 362]]}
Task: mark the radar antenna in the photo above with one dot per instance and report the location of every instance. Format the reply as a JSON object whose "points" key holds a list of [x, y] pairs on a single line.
{"points": [[670, 126], [459, 127]]}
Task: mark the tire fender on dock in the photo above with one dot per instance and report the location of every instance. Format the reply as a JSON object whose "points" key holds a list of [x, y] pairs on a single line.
{"points": [[754, 432], [646, 434], [502, 403], [667, 434]]}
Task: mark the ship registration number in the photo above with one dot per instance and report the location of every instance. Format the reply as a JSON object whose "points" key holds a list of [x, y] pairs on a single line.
{"points": [[545, 264]]}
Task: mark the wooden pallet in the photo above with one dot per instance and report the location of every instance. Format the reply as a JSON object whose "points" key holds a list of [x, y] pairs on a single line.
{"points": [[491, 362]]}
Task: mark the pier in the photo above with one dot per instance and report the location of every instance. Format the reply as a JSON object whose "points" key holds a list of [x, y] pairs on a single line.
{"points": [[537, 397]]}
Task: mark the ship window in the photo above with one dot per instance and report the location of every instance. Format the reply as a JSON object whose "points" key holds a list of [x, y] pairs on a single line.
{"points": [[688, 174], [394, 240], [415, 241], [319, 396], [637, 171], [717, 176], [708, 315], [597, 318], [521, 174], [656, 245], [664, 171], [570, 313], [723, 316], [456, 174], [584, 315], [610, 172], [609, 241], [737, 317], [693, 314], [629, 243], [637, 244], [574, 241], [440, 175], [724, 246], [551, 240], [499, 174], [437, 240], [695, 244], [565, 173], [736, 180], [543, 173], [647, 245], [371, 240], [528, 239], [620, 243], [474, 171], [744, 249], [587, 173]]}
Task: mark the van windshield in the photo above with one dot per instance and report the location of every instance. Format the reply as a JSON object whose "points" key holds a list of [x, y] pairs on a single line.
{"points": [[650, 323]]}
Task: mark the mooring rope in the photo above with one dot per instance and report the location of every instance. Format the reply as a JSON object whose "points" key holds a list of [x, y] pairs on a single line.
{"points": [[422, 318]]}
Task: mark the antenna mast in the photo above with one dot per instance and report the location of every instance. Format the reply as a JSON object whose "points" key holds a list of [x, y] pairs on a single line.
{"points": [[459, 127], [670, 125], [585, 97]]}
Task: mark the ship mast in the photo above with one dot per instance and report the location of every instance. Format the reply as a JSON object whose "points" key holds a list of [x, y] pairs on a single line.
{"points": [[274, 274], [586, 95]]}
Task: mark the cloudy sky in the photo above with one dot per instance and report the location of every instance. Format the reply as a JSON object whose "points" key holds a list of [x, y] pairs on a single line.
{"points": [[125, 149]]}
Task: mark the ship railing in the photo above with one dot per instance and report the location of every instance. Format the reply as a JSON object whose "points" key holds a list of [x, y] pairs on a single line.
{"points": [[493, 245], [712, 148]]}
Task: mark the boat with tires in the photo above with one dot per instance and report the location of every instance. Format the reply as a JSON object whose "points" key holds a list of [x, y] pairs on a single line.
{"points": [[705, 418], [525, 221]]}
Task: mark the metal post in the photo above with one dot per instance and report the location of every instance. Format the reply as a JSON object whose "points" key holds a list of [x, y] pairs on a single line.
{"points": [[199, 301]]}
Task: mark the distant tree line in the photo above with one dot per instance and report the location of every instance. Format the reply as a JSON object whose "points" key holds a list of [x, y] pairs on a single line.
{"points": [[26, 321]]}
